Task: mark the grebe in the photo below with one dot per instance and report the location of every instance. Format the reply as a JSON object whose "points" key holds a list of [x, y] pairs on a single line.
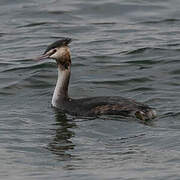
{"points": [[92, 106]]}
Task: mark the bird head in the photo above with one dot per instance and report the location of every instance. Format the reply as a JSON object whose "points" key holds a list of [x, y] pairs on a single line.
{"points": [[59, 51]]}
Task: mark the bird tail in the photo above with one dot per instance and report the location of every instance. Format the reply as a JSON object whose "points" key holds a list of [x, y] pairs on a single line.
{"points": [[147, 115]]}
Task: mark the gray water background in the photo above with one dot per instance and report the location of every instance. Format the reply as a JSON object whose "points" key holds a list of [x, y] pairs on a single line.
{"points": [[128, 48]]}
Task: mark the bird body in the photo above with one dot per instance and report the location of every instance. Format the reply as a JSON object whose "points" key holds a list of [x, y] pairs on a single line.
{"points": [[106, 105], [93, 106]]}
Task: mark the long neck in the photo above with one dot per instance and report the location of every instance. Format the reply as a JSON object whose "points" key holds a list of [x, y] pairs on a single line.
{"points": [[61, 89]]}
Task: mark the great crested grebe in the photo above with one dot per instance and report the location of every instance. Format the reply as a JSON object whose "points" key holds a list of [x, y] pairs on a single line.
{"points": [[93, 106]]}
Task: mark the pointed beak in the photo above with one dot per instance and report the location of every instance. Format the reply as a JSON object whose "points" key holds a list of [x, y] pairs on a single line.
{"points": [[44, 56]]}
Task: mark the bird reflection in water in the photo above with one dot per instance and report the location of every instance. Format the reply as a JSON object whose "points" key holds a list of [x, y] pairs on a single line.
{"points": [[61, 142]]}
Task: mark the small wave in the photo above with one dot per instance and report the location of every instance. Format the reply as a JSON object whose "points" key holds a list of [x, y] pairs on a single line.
{"points": [[29, 82], [2, 34], [175, 72], [6, 93], [173, 44], [120, 82], [144, 49], [142, 89], [58, 12], [78, 65], [32, 66], [170, 20], [147, 62], [6, 63], [34, 24], [99, 41], [104, 23]]}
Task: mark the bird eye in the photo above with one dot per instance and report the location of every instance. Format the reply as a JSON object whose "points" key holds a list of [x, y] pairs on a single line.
{"points": [[54, 51]]}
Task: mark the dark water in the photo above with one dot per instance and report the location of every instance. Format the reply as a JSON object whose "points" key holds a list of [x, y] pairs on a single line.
{"points": [[129, 48]]}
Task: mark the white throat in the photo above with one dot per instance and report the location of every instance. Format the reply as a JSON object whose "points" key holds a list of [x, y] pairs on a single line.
{"points": [[61, 90]]}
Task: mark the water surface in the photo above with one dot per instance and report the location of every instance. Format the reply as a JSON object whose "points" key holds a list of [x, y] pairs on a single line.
{"points": [[125, 48]]}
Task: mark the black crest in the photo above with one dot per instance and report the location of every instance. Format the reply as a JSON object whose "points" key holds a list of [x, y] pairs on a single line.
{"points": [[59, 43]]}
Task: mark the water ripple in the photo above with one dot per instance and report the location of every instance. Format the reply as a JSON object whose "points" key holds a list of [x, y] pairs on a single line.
{"points": [[146, 49], [30, 66], [120, 82], [166, 21], [127, 48]]}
